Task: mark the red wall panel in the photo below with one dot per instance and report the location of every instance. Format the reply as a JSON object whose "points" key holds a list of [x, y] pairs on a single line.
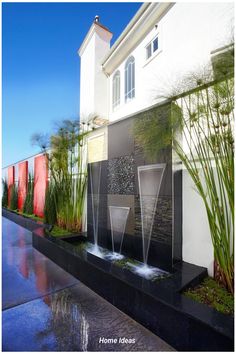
{"points": [[10, 181], [22, 183], [40, 183]]}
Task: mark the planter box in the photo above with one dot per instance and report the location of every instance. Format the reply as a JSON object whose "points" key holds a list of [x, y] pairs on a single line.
{"points": [[21, 220]]}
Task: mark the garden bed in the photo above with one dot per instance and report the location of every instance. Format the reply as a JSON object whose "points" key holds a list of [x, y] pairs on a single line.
{"points": [[32, 221], [209, 292]]}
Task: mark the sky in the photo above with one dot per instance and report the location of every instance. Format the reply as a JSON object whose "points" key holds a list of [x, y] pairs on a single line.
{"points": [[41, 67]]}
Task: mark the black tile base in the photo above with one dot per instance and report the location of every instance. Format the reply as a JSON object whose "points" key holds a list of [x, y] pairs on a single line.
{"points": [[158, 305]]}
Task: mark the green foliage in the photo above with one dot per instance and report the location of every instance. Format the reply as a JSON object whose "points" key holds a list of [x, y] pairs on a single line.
{"points": [[209, 292], [50, 213], [4, 193], [58, 232], [153, 131], [28, 207], [207, 151], [14, 197], [199, 128], [68, 174], [65, 196], [31, 216]]}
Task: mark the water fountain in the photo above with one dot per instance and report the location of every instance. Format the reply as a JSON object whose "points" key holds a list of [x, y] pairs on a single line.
{"points": [[95, 180], [118, 219], [149, 181]]}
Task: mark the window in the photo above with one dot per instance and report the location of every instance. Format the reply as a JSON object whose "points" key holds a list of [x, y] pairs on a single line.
{"points": [[151, 48], [129, 79], [155, 44], [148, 51], [116, 90]]}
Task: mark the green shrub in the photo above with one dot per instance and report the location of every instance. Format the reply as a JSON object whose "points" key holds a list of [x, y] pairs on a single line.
{"points": [[4, 193], [14, 198], [28, 207], [50, 214]]}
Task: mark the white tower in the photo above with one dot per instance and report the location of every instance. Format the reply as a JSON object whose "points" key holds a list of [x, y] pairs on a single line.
{"points": [[93, 82]]}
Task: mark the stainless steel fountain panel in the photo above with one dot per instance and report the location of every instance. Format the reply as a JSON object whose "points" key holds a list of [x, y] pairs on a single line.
{"points": [[118, 218], [149, 180]]}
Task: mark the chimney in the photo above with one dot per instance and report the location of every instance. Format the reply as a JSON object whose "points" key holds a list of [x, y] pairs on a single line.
{"points": [[93, 81]]}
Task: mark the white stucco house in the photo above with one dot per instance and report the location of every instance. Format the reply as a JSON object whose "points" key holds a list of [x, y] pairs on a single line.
{"points": [[161, 44]]}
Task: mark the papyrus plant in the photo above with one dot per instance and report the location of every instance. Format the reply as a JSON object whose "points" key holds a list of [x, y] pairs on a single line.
{"points": [[206, 148], [198, 125], [68, 174], [67, 160]]}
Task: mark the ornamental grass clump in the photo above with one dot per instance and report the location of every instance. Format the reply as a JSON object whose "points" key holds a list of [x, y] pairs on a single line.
{"points": [[69, 174], [207, 151], [200, 130], [28, 207], [4, 193], [67, 158], [14, 198]]}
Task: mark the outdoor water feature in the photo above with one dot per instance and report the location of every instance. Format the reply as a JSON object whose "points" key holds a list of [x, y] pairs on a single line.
{"points": [[149, 181], [128, 178], [95, 180], [118, 220], [149, 184]]}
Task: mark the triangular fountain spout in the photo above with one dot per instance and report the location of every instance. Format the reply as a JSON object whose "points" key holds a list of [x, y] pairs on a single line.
{"points": [[95, 180], [149, 180], [118, 219]]}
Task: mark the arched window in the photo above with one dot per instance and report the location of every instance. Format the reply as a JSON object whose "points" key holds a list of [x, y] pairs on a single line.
{"points": [[116, 90], [129, 79]]}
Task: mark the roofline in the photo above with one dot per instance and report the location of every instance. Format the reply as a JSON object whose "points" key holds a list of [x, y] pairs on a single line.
{"points": [[146, 17], [126, 30]]}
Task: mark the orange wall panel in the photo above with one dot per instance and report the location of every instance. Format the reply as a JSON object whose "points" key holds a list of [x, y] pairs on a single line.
{"points": [[22, 183], [40, 183]]}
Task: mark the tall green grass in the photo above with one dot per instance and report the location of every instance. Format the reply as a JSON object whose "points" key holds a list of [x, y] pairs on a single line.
{"points": [[28, 207], [4, 193]]}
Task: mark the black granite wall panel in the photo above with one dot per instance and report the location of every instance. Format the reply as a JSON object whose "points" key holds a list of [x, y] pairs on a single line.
{"points": [[120, 138]]}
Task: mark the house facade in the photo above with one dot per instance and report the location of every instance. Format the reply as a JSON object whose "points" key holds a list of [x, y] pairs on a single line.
{"points": [[162, 44]]}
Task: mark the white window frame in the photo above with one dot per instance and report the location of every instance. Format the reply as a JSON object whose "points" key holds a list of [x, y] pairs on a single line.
{"points": [[158, 35], [116, 90], [129, 79], [151, 44]]}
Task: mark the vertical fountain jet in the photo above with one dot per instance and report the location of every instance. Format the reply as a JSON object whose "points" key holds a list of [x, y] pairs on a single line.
{"points": [[95, 180], [118, 219], [149, 180]]}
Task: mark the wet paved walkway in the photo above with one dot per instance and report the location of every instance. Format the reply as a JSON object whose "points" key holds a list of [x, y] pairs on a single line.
{"points": [[47, 309]]}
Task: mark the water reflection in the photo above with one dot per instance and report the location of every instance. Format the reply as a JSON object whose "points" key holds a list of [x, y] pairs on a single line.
{"points": [[67, 316]]}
